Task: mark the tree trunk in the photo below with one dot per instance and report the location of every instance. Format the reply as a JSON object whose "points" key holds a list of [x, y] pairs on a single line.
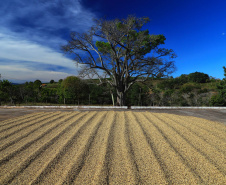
{"points": [[112, 97], [89, 99], [121, 98], [11, 100]]}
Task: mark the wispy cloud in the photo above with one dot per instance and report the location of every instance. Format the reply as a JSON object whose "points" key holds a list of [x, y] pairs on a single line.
{"points": [[22, 59], [46, 22], [18, 73], [31, 34], [19, 49]]}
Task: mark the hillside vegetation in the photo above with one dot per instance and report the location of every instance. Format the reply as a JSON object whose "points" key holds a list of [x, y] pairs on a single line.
{"points": [[195, 89]]}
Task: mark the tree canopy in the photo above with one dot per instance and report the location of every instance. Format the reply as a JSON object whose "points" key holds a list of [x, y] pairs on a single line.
{"points": [[220, 98], [122, 51], [198, 77], [73, 87]]}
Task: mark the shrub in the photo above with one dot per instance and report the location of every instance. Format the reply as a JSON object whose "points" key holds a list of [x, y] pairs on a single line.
{"points": [[217, 100]]}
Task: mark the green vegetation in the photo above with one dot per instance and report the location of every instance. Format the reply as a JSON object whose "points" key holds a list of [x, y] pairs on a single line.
{"points": [[194, 89], [220, 98]]}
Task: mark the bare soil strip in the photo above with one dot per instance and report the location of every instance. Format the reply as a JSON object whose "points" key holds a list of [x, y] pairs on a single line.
{"points": [[111, 147]]}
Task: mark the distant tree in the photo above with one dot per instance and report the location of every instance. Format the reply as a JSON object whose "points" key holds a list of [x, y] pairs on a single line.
{"points": [[45, 95], [168, 97], [217, 100], [167, 84], [73, 88], [138, 95], [95, 95], [48, 95], [60, 80], [198, 77], [5, 88], [182, 79], [220, 98], [118, 49], [37, 84], [155, 96], [30, 94], [51, 81]]}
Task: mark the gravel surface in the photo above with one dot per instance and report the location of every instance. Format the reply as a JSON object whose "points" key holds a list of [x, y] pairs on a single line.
{"points": [[210, 114], [111, 147]]}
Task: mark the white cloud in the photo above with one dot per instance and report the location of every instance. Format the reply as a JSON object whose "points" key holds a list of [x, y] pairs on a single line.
{"points": [[46, 22], [223, 33], [15, 48], [19, 73], [33, 31]]}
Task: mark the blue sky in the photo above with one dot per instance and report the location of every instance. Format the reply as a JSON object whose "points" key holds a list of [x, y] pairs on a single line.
{"points": [[32, 31]]}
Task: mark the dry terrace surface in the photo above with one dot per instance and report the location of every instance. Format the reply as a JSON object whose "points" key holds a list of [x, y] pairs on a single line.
{"points": [[111, 147], [218, 115]]}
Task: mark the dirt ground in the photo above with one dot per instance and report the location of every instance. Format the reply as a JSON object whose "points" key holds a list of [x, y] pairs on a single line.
{"points": [[213, 115]]}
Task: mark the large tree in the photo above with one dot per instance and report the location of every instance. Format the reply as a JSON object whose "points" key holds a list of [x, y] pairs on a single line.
{"points": [[73, 88], [122, 51]]}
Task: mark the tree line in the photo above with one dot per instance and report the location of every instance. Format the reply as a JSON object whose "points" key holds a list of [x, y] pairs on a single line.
{"points": [[194, 89]]}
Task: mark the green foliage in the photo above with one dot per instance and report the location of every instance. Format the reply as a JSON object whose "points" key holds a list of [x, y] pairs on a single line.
{"points": [[141, 41], [158, 92], [73, 89], [99, 95], [189, 87], [189, 80], [198, 77], [51, 81], [204, 90], [167, 84], [5, 87], [103, 47], [182, 79], [157, 40], [49, 95], [138, 95], [220, 99], [169, 92], [217, 100], [37, 83], [120, 25]]}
